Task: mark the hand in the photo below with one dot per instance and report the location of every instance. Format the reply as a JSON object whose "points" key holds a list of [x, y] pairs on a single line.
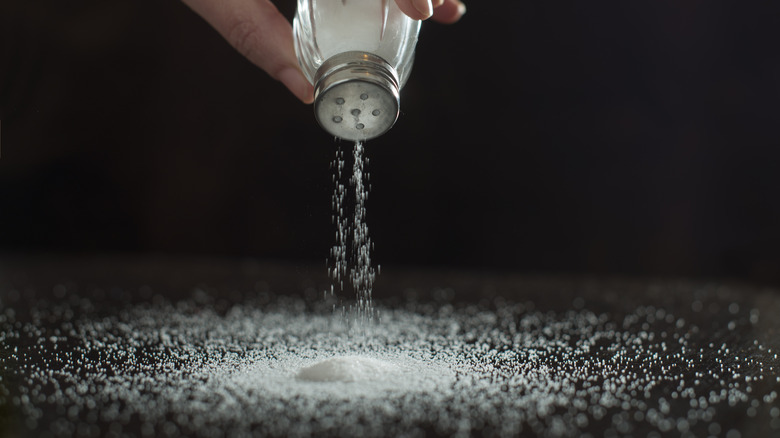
{"points": [[443, 11], [258, 31]]}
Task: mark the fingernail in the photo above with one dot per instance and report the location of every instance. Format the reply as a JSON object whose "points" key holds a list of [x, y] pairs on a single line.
{"points": [[437, 3], [293, 79], [424, 6], [461, 8]]}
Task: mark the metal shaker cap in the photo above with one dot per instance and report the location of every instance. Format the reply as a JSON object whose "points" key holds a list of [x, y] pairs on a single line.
{"points": [[356, 96]]}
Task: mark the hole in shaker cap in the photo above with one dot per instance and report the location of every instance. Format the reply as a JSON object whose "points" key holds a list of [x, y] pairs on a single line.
{"points": [[355, 112], [376, 112], [339, 101], [363, 96], [360, 126], [337, 119]]}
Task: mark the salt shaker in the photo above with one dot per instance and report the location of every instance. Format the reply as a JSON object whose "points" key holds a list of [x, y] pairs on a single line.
{"points": [[358, 54]]}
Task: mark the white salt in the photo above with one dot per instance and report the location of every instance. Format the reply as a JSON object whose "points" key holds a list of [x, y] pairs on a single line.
{"points": [[70, 368], [343, 29], [352, 250], [347, 369]]}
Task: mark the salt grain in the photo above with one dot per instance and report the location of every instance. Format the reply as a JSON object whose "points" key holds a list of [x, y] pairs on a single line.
{"points": [[347, 369], [277, 370], [352, 250]]}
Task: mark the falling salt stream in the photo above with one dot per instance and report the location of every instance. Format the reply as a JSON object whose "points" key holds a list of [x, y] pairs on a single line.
{"points": [[609, 361], [352, 250]]}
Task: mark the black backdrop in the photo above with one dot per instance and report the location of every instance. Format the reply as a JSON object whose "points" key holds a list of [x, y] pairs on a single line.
{"points": [[562, 137]]}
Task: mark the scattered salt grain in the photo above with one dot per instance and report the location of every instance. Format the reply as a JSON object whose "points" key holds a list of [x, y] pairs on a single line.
{"points": [[75, 368]]}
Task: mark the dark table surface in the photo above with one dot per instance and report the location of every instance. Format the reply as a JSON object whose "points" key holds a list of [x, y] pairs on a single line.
{"points": [[675, 356]]}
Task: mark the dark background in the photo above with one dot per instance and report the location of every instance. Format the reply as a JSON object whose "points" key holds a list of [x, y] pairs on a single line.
{"points": [[535, 137]]}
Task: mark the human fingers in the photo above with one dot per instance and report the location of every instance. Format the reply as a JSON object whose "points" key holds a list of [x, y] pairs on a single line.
{"points": [[443, 11], [263, 35], [449, 11], [416, 9]]}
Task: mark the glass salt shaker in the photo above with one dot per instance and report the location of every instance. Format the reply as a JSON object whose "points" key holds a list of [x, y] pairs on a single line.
{"points": [[358, 54]]}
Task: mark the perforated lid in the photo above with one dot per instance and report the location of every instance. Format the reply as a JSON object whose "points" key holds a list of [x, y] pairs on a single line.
{"points": [[356, 96]]}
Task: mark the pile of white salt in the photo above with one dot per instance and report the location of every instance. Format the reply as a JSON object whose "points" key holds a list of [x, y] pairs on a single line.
{"points": [[72, 368]]}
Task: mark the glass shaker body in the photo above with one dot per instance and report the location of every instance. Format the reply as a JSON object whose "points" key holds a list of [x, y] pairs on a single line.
{"points": [[358, 54]]}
